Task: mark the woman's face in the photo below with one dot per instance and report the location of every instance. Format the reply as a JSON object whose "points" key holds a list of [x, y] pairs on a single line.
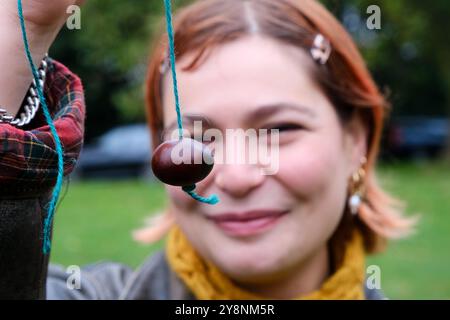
{"points": [[259, 83]]}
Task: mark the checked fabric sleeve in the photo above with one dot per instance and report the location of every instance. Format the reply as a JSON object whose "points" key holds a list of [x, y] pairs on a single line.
{"points": [[28, 158]]}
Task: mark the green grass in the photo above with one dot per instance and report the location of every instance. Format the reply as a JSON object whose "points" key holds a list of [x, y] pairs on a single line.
{"points": [[95, 220], [419, 267]]}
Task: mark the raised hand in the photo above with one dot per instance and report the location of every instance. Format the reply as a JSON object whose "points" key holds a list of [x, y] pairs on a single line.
{"points": [[43, 19], [45, 14]]}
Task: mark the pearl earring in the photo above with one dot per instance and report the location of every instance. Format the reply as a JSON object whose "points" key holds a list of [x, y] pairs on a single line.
{"points": [[357, 188]]}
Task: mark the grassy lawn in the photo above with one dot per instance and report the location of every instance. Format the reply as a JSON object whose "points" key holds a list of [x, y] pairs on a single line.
{"points": [[95, 220], [419, 267]]}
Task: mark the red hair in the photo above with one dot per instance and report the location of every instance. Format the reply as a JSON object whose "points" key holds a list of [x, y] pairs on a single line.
{"points": [[204, 25]]}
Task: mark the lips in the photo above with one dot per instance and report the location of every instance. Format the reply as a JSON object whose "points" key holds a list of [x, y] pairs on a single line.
{"points": [[247, 223]]}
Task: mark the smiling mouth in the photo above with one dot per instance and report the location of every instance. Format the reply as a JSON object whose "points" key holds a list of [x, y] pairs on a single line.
{"points": [[247, 223]]}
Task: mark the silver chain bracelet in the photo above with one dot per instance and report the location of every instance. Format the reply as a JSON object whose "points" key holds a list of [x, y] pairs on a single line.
{"points": [[32, 102]]}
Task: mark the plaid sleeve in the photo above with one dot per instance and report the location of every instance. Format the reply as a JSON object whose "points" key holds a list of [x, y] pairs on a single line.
{"points": [[28, 158]]}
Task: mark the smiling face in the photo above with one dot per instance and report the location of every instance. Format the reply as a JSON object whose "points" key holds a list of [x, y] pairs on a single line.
{"points": [[256, 82]]}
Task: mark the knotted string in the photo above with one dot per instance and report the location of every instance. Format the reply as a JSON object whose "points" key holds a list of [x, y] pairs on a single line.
{"points": [[212, 199], [56, 191]]}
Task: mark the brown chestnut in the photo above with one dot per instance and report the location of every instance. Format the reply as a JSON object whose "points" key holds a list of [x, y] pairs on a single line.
{"points": [[182, 162]]}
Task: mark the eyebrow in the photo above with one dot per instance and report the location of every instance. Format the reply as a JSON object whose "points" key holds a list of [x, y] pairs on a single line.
{"points": [[190, 118], [263, 111]]}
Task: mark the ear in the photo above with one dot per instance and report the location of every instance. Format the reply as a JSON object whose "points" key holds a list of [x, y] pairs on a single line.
{"points": [[355, 140]]}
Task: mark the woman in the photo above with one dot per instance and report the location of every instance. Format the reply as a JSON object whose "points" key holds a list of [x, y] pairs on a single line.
{"points": [[300, 232]]}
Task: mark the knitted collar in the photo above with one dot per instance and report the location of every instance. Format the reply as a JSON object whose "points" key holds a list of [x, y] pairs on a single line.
{"points": [[207, 282]]}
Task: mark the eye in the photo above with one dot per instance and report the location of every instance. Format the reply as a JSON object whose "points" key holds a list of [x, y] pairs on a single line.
{"points": [[285, 127], [199, 138]]}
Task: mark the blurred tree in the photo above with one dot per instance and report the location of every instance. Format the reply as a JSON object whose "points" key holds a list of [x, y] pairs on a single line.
{"points": [[407, 56]]}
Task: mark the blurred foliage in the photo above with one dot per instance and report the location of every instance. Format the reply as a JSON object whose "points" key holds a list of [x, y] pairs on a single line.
{"points": [[408, 57]]}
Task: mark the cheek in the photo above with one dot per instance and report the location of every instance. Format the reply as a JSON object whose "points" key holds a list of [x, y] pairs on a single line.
{"points": [[312, 165], [184, 209], [313, 170], [179, 198], [174, 193]]}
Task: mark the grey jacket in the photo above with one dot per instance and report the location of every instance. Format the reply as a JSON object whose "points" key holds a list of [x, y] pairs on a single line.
{"points": [[154, 280]]}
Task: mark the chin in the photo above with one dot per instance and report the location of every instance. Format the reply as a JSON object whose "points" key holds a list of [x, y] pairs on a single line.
{"points": [[248, 273], [247, 263]]}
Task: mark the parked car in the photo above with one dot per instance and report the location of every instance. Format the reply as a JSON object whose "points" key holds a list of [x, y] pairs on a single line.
{"points": [[122, 152], [417, 137]]}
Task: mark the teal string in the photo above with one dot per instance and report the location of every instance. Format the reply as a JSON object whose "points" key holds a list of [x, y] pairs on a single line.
{"points": [[170, 33], [213, 199], [56, 191]]}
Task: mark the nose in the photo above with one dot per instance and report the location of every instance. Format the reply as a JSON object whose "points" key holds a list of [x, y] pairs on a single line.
{"points": [[238, 180]]}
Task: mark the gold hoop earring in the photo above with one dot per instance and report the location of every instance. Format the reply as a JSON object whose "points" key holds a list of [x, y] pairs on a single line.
{"points": [[357, 188]]}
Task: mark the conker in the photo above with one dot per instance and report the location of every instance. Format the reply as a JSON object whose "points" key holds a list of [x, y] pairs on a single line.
{"points": [[182, 162]]}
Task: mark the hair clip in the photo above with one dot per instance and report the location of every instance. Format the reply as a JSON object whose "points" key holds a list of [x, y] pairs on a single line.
{"points": [[321, 49]]}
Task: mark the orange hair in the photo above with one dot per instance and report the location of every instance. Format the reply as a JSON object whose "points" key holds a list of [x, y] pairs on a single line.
{"points": [[345, 79]]}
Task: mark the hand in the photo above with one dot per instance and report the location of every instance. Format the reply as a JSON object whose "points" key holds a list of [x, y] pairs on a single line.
{"points": [[43, 14], [43, 19]]}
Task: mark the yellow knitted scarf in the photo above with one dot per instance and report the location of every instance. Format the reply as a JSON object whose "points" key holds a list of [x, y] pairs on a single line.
{"points": [[208, 283]]}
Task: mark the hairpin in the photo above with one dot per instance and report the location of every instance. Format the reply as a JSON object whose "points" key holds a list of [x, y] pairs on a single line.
{"points": [[321, 49]]}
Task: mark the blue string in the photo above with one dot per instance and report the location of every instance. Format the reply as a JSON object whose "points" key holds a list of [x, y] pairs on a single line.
{"points": [[170, 33], [212, 199], [56, 191]]}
